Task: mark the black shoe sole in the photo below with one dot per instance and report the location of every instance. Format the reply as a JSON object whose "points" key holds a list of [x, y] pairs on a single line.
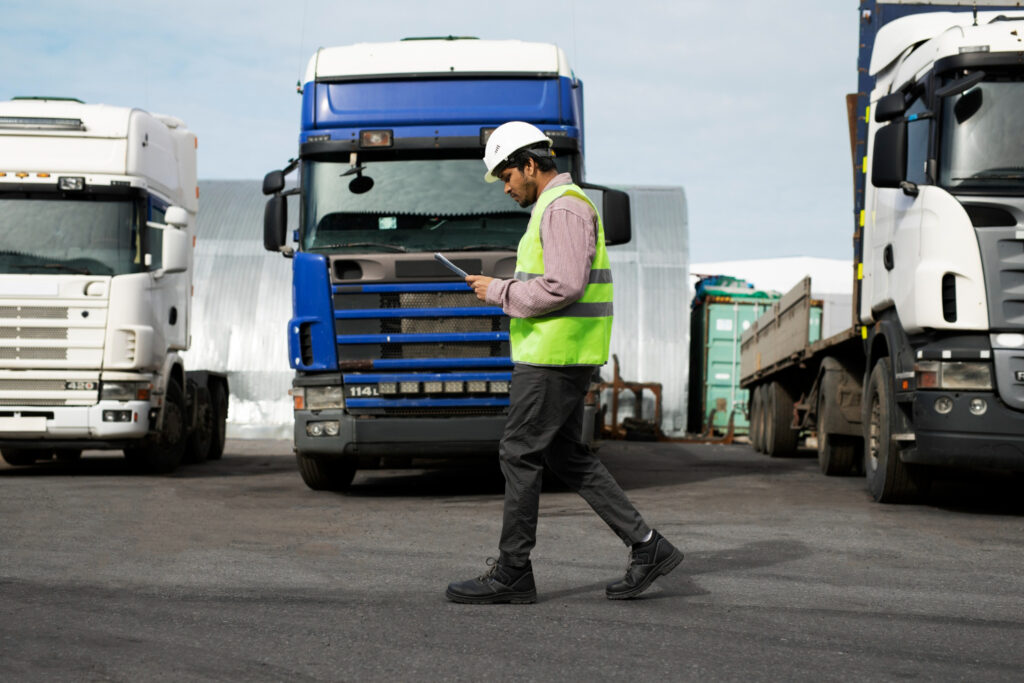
{"points": [[661, 569], [520, 598]]}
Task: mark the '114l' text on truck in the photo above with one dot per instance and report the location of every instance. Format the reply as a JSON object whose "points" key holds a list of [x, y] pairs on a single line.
{"points": [[97, 225], [394, 356], [932, 371]]}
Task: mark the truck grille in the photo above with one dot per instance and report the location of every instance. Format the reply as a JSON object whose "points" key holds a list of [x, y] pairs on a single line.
{"points": [[33, 333], [28, 312], [422, 349], [31, 353], [38, 336]]}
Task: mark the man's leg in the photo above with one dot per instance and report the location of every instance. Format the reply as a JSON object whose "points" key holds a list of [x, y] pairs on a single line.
{"points": [[651, 555], [536, 412], [578, 466], [534, 418]]}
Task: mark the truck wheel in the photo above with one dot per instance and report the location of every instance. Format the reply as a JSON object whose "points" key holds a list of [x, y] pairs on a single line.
{"points": [[166, 454], [782, 441], [836, 452], [200, 438], [19, 457], [756, 425], [889, 479], [326, 474], [219, 406]]}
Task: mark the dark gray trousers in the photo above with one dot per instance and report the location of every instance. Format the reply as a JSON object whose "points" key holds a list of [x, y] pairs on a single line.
{"points": [[543, 429]]}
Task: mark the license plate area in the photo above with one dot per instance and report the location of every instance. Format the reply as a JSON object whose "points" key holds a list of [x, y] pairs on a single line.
{"points": [[23, 425]]}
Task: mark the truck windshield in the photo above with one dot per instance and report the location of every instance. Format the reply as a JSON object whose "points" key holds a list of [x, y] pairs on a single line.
{"points": [[62, 236], [413, 205], [982, 147]]}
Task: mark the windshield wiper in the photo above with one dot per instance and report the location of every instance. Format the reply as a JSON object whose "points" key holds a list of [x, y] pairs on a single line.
{"points": [[483, 247], [1011, 173], [55, 266], [382, 245]]}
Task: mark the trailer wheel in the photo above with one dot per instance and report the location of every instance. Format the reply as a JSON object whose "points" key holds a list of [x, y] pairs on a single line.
{"points": [[782, 439], [756, 425], [166, 454], [888, 478], [200, 438], [219, 406], [326, 474], [19, 458], [836, 452]]}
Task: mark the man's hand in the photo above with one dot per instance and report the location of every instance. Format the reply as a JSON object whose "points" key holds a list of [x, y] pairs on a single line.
{"points": [[479, 283]]}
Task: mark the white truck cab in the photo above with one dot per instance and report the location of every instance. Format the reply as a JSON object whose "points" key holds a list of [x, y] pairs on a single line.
{"points": [[97, 225]]}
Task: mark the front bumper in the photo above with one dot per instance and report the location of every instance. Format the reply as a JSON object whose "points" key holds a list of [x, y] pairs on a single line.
{"points": [[400, 436], [24, 427], [994, 440]]}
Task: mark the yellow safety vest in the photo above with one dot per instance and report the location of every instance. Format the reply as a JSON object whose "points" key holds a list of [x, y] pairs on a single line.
{"points": [[577, 334]]}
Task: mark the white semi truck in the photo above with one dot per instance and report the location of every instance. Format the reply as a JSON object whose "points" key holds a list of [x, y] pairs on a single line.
{"points": [[931, 372], [97, 226]]}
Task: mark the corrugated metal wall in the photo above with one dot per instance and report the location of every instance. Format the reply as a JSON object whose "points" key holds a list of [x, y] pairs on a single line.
{"points": [[243, 302]]}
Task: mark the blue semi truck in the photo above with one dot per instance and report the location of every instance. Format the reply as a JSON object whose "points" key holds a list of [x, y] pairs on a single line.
{"points": [[394, 357]]}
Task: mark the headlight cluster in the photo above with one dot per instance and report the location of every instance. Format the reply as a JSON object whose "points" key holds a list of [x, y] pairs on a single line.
{"points": [[953, 375], [125, 391], [317, 398]]}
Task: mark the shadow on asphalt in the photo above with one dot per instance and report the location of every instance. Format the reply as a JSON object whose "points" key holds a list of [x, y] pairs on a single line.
{"points": [[680, 582], [117, 466]]}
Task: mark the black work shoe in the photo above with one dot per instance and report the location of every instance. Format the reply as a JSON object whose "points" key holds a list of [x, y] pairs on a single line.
{"points": [[647, 561], [500, 584]]}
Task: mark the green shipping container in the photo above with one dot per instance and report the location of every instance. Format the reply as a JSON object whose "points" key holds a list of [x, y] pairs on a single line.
{"points": [[722, 309]]}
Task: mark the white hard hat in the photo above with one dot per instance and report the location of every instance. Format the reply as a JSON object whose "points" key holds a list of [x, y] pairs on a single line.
{"points": [[506, 140]]}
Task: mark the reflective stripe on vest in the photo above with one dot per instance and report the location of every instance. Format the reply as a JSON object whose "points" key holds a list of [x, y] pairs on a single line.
{"points": [[576, 334]]}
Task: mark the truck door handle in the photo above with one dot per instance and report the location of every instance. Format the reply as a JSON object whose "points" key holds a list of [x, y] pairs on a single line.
{"points": [[887, 257]]}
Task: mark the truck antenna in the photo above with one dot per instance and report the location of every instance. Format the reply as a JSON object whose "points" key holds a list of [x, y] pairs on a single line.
{"points": [[975, 12], [302, 42]]}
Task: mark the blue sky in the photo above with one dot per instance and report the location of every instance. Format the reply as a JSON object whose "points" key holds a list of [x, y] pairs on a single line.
{"points": [[741, 103]]}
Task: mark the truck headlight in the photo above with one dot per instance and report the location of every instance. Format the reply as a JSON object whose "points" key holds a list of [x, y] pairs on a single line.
{"points": [[330, 428], [124, 391], [953, 375], [322, 398]]}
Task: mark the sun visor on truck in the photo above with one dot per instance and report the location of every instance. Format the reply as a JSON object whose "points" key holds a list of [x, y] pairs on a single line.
{"points": [[452, 101]]}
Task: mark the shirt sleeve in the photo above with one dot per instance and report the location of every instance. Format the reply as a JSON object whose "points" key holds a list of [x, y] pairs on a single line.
{"points": [[568, 233]]}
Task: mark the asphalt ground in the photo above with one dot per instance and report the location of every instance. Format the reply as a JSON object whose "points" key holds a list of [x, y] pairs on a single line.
{"points": [[234, 570]]}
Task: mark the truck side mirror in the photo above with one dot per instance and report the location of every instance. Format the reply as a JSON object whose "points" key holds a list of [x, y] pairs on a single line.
{"points": [[275, 222], [273, 182], [618, 227], [176, 216], [889, 158], [889, 107], [614, 213], [174, 254]]}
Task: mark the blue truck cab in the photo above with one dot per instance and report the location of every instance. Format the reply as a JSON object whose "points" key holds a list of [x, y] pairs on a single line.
{"points": [[394, 356]]}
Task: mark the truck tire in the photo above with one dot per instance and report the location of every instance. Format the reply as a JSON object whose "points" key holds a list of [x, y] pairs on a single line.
{"points": [[166, 454], [325, 474], [782, 440], [200, 437], [756, 422], [836, 452], [17, 457], [889, 479], [219, 406]]}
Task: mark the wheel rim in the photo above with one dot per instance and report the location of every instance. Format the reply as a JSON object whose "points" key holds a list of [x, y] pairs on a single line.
{"points": [[874, 432]]}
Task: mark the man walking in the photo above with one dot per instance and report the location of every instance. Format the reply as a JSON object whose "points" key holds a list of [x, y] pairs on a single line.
{"points": [[560, 302]]}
